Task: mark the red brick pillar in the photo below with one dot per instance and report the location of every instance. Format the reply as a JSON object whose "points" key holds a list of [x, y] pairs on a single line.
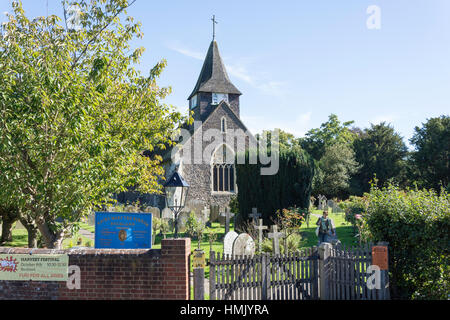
{"points": [[175, 264]]}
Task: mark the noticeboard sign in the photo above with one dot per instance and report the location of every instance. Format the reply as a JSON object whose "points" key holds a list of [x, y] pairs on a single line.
{"points": [[114, 230], [380, 257], [36, 267], [199, 259]]}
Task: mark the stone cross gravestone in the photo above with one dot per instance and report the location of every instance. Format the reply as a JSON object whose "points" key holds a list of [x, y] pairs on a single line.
{"points": [[255, 215], [275, 236], [226, 216], [260, 227], [322, 202], [228, 243], [243, 245]]}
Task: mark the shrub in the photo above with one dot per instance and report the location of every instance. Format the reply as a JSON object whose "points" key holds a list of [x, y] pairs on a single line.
{"points": [[291, 245], [291, 186], [416, 225], [191, 224], [354, 206]]}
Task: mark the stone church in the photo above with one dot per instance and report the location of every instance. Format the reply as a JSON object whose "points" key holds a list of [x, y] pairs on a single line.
{"points": [[205, 155]]}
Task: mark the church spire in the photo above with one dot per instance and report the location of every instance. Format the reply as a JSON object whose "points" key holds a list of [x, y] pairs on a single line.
{"points": [[214, 77]]}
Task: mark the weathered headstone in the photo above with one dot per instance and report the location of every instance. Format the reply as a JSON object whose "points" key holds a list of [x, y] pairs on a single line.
{"points": [[167, 214], [130, 208], [154, 211], [330, 204], [260, 227], [322, 202], [275, 236], [205, 214], [225, 218], [255, 215], [244, 245], [183, 216], [214, 213], [228, 243]]}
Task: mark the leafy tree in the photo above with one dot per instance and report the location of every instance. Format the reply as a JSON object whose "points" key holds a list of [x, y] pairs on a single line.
{"points": [[291, 186], [331, 132], [335, 170], [75, 115], [381, 152], [431, 159]]}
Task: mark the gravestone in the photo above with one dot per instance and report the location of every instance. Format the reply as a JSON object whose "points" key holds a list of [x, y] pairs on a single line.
{"points": [[167, 214], [130, 208], [330, 204], [224, 219], [228, 243], [244, 245], [322, 202], [260, 227], [275, 236], [255, 215], [214, 213], [183, 216], [205, 214], [154, 211]]}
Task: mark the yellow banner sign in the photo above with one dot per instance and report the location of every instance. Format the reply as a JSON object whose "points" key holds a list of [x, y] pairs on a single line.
{"points": [[199, 259], [36, 267]]}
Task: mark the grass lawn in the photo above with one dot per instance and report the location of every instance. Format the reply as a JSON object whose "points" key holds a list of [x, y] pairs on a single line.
{"points": [[20, 240], [344, 230], [309, 239]]}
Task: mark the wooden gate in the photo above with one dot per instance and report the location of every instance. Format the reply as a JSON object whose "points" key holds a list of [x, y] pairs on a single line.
{"points": [[264, 277], [348, 275], [328, 273]]}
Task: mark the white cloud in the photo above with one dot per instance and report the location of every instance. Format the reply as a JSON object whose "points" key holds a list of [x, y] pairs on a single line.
{"points": [[187, 52], [240, 71]]}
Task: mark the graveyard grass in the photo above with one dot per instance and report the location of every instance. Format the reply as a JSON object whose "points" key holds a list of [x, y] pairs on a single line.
{"points": [[344, 231], [20, 240]]}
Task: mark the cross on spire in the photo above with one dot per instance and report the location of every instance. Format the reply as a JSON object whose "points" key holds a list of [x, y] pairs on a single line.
{"points": [[214, 26]]}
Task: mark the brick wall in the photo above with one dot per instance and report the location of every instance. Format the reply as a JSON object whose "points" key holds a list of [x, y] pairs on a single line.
{"points": [[113, 274]]}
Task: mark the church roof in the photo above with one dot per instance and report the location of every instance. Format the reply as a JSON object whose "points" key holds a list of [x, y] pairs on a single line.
{"points": [[222, 105], [214, 77]]}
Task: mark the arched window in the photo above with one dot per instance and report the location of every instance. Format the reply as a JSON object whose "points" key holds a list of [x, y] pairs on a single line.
{"points": [[223, 170]]}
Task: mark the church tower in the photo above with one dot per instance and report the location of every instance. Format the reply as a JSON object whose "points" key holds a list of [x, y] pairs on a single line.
{"points": [[213, 86]]}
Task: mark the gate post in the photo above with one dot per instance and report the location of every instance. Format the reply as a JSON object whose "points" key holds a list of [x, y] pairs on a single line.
{"points": [[385, 290], [324, 254], [199, 284], [212, 276], [264, 274]]}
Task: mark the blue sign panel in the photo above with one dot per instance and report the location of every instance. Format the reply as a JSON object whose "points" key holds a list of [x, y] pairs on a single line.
{"points": [[123, 230]]}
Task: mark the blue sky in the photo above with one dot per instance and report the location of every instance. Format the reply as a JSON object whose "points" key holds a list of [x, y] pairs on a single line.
{"points": [[296, 62]]}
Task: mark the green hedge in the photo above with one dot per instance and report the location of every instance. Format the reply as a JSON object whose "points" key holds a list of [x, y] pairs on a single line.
{"points": [[416, 223], [290, 187]]}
